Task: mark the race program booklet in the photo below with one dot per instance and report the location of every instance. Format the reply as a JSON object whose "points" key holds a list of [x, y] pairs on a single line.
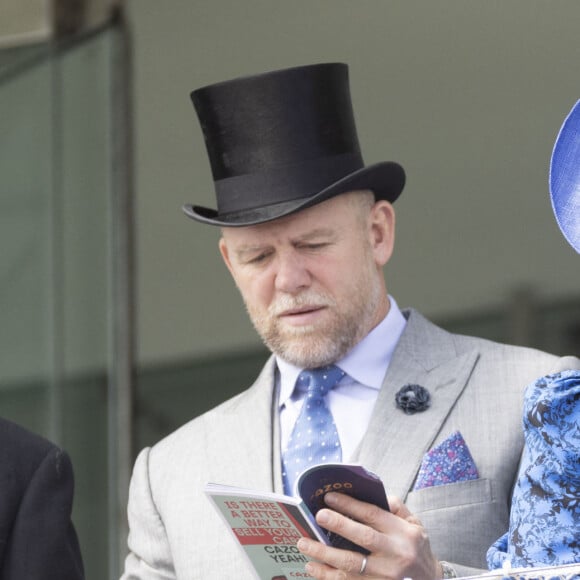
{"points": [[268, 525]]}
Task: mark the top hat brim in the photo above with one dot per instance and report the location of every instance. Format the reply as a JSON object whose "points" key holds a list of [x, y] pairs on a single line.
{"points": [[386, 180], [565, 178]]}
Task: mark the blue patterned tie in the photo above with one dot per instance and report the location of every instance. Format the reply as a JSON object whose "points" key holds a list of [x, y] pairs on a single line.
{"points": [[314, 438]]}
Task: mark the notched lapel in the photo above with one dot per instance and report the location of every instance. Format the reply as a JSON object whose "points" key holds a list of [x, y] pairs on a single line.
{"points": [[395, 443]]}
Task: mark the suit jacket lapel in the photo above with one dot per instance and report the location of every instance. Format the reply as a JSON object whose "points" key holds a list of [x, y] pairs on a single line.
{"points": [[395, 443]]}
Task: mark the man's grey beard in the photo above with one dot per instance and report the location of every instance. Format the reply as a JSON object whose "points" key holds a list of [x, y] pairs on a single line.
{"points": [[325, 345]]}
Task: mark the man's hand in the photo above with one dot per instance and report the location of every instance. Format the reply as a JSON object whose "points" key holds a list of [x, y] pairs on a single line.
{"points": [[397, 542]]}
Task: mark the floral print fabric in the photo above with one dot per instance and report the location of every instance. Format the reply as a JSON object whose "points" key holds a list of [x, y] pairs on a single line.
{"points": [[545, 514]]}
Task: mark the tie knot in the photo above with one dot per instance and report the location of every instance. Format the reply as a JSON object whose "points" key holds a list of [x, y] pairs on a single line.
{"points": [[319, 381]]}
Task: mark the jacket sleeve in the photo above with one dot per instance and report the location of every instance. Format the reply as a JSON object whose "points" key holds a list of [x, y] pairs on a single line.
{"points": [[43, 544], [149, 555]]}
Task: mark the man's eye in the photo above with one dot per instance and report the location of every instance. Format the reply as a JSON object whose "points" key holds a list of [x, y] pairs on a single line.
{"points": [[257, 259]]}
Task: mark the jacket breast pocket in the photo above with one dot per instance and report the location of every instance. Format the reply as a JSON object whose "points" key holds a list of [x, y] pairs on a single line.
{"points": [[474, 491]]}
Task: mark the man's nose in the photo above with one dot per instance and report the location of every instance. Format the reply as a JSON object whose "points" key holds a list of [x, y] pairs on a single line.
{"points": [[292, 274]]}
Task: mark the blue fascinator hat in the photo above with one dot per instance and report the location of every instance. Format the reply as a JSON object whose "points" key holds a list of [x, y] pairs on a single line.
{"points": [[565, 178]]}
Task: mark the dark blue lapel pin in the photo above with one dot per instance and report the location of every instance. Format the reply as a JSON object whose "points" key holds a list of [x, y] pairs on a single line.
{"points": [[413, 399]]}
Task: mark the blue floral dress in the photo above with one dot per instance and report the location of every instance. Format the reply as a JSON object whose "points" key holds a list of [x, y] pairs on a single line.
{"points": [[545, 514]]}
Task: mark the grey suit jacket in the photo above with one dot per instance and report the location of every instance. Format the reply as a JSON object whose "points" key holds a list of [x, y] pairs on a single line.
{"points": [[476, 388]]}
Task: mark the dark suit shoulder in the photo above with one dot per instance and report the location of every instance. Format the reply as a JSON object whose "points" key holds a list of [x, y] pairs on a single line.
{"points": [[23, 439], [22, 451], [37, 538]]}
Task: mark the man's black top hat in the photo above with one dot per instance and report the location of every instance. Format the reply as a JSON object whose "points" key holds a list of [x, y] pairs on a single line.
{"points": [[283, 141]]}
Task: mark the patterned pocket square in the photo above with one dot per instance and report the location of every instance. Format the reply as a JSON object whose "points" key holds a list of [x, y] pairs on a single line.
{"points": [[448, 462]]}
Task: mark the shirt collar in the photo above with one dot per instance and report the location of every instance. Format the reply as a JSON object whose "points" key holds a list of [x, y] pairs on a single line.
{"points": [[366, 363]]}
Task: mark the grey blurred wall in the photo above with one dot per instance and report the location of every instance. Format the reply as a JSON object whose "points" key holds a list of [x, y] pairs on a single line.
{"points": [[468, 95]]}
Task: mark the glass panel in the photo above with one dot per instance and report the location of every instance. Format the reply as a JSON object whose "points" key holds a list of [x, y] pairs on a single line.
{"points": [[56, 269], [25, 259], [83, 228]]}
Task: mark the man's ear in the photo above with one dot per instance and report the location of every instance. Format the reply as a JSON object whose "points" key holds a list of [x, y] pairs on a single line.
{"points": [[382, 231], [224, 251]]}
